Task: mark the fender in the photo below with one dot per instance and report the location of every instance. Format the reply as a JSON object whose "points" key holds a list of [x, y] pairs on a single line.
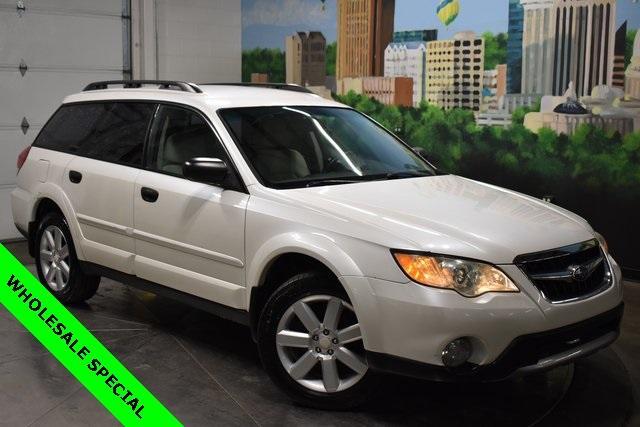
{"points": [[50, 190], [315, 245]]}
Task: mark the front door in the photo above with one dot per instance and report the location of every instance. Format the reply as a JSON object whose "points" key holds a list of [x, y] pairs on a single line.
{"points": [[189, 235]]}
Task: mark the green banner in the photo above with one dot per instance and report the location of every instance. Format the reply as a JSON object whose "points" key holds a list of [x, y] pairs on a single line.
{"points": [[76, 348]]}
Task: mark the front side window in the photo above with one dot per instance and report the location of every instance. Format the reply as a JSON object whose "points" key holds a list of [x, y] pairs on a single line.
{"points": [[178, 135], [292, 147], [110, 131]]}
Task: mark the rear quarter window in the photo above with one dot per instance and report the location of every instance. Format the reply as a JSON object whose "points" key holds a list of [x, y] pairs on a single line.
{"points": [[111, 131]]}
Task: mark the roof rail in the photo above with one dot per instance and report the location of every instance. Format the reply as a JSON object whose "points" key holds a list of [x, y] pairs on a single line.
{"points": [[281, 86], [134, 84]]}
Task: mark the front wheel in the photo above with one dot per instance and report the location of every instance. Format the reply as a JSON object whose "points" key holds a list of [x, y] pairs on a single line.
{"points": [[310, 344]]}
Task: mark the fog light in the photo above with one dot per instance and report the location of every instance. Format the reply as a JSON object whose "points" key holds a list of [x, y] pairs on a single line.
{"points": [[456, 353]]}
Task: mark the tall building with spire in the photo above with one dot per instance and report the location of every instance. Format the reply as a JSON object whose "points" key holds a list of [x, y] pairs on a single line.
{"points": [[632, 75], [365, 28], [567, 41]]}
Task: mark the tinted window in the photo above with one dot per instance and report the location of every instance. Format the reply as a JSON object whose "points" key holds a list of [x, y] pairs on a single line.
{"points": [[113, 132], [179, 135], [69, 128]]}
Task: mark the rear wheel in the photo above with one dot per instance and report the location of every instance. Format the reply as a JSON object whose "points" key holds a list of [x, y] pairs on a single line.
{"points": [[311, 345], [57, 263]]}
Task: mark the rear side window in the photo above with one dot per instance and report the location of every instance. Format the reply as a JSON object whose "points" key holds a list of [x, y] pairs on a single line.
{"points": [[111, 131]]}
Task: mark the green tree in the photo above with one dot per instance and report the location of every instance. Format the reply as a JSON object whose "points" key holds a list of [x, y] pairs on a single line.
{"points": [[369, 106], [591, 161], [266, 61], [351, 99], [391, 118], [332, 49], [495, 50], [517, 117]]}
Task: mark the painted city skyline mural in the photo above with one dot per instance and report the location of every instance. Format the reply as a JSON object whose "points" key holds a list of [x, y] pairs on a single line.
{"points": [[539, 96]]}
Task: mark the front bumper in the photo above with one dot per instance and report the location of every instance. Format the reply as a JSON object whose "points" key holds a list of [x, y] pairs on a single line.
{"points": [[526, 354], [414, 322]]}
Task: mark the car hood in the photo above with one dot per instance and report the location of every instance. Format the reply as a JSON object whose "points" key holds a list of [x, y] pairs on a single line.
{"points": [[446, 215]]}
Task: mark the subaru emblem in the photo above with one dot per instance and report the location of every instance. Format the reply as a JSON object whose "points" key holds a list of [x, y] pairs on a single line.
{"points": [[579, 273]]}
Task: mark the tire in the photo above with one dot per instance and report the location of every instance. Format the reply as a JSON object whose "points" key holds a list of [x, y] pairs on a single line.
{"points": [[57, 264], [287, 343]]}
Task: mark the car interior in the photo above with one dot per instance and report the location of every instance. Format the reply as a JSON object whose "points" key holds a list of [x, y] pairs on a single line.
{"points": [[181, 135]]}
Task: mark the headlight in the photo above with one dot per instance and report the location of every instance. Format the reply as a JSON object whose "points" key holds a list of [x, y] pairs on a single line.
{"points": [[468, 278], [603, 242]]}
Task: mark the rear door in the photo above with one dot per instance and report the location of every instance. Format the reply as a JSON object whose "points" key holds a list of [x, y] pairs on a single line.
{"points": [[48, 49], [189, 235], [108, 141]]}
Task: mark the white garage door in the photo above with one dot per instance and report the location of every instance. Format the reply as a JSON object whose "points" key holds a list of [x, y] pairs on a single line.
{"points": [[49, 49]]}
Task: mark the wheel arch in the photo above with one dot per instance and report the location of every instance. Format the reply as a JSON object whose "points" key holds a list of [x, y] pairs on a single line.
{"points": [[41, 207], [51, 198], [278, 261]]}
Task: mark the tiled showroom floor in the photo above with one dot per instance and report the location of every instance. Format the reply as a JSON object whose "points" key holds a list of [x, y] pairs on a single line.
{"points": [[206, 371]]}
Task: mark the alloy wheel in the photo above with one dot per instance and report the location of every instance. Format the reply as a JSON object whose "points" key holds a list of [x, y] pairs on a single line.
{"points": [[319, 344], [54, 258]]}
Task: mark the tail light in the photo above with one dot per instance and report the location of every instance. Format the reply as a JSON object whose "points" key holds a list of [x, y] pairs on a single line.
{"points": [[22, 157]]}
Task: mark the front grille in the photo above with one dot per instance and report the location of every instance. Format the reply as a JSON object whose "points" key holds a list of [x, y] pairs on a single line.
{"points": [[568, 273]]}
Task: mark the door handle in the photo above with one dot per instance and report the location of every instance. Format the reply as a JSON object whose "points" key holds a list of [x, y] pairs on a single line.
{"points": [[75, 177], [149, 194]]}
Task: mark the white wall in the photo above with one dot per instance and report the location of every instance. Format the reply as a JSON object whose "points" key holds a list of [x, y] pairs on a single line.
{"points": [[192, 40]]}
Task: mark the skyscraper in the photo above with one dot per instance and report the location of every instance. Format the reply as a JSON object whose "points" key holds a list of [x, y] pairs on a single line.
{"points": [[585, 42], [619, 53], [365, 28], [538, 47], [455, 72], [514, 47], [305, 58], [567, 41]]}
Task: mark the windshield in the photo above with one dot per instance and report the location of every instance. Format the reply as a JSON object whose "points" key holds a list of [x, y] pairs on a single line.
{"points": [[293, 147]]}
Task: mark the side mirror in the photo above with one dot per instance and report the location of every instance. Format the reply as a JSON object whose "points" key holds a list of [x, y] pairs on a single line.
{"points": [[206, 170]]}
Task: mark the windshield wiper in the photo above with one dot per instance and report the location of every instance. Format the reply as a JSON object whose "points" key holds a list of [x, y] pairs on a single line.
{"points": [[406, 174], [385, 176], [321, 182]]}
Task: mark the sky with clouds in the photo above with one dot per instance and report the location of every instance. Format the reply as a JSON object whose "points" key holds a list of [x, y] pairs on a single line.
{"points": [[267, 22]]}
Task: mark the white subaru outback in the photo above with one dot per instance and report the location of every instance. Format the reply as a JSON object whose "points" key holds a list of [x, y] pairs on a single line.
{"points": [[341, 247]]}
